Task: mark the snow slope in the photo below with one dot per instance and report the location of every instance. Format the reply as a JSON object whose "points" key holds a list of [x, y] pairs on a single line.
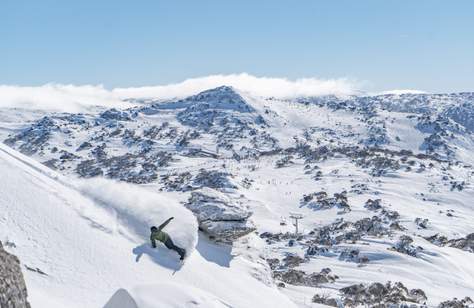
{"points": [[442, 272], [327, 158], [82, 251]]}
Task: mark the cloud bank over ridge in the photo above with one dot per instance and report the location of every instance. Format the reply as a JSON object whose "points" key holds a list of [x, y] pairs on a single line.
{"points": [[76, 98], [258, 86], [58, 97]]}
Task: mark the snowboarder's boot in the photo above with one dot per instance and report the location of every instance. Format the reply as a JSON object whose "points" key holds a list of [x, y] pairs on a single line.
{"points": [[182, 254]]}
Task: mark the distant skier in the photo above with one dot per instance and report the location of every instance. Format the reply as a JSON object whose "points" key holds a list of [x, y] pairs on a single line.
{"points": [[158, 235]]}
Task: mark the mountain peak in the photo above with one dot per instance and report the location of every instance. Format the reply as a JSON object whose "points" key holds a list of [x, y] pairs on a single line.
{"points": [[223, 97], [222, 92]]}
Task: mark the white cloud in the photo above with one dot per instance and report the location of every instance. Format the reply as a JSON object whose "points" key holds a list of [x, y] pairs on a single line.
{"points": [[258, 86], [73, 98], [58, 97]]}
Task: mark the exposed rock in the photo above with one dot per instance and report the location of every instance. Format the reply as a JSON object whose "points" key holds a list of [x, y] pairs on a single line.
{"points": [[321, 201], [89, 169], [373, 205], [343, 231], [114, 114], [13, 292], [134, 168], [65, 155], [33, 139], [325, 300], [274, 263], [396, 226], [277, 237], [225, 114], [51, 163], [390, 215], [221, 217], [379, 163], [359, 188], [466, 243], [422, 223], [227, 231], [316, 250], [84, 146], [186, 181], [292, 261], [438, 240], [371, 226], [284, 161], [177, 181], [300, 278], [353, 255], [380, 295], [404, 245], [213, 179], [457, 303]]}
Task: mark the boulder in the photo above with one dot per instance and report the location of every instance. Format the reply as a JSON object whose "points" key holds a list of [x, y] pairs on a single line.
{"points": [[221, 217], [13, 292], [226, 231]]}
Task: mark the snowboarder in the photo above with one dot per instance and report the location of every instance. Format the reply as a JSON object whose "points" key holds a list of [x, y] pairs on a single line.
{"points": [[158, 234]]}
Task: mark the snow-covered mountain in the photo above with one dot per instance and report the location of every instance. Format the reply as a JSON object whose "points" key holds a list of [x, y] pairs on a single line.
{"points": [[383, 184]]}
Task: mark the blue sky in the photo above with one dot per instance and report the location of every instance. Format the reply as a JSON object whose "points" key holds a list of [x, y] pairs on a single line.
{"points": [[427, 45]]}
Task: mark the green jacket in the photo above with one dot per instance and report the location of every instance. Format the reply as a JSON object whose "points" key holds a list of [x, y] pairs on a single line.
{"points": [[159, 235]]}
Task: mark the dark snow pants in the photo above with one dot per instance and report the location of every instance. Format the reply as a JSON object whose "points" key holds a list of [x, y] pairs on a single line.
{"points": [[170, 245]]}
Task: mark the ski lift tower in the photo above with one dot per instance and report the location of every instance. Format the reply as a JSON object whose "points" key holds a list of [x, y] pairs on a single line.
{"points": [[296, 217]]}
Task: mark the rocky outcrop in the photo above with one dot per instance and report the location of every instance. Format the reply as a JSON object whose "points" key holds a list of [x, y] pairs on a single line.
{"points": [[353, 255], [114, 115], [12, 285], [380, 295], [33, 139], [457, 303], [464, 243], [404, 245], [373, 205], [321, 201], [422, 222], [221, 217], [301, 278], [186, 181], [325, 300]]}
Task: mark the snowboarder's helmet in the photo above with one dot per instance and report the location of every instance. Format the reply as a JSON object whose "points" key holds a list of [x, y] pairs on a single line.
{"points": [[153, 228]]}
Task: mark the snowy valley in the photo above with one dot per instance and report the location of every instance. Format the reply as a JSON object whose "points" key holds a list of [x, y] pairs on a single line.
{"points": [[384, 186]]}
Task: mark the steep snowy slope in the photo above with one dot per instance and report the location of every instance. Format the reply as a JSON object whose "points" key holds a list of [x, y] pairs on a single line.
{"points": [[77, 253]]}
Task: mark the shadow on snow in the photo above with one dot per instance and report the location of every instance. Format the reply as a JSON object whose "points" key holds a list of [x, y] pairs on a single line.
{"points": [[160, 255], [219, 254]]}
